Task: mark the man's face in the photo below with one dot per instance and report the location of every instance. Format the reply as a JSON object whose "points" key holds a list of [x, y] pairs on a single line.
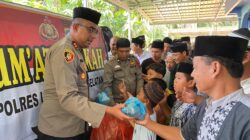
{"points": [[166, 47], [113, 46], [170, 63], [179, 56], [202, 74], [134, 48], [86, 32], [180, 82], [123, 53], [156, 53]]}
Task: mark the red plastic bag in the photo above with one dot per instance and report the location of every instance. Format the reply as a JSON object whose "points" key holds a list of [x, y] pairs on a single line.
{"points": [[112, 128]]}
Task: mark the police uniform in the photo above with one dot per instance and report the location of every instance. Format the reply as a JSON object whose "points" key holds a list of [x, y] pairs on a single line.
{"points": [[66, 107], [117, 70]]}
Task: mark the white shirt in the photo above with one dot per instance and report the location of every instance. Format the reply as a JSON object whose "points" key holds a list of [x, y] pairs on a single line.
{"points": [[144, 55], [110, 56], [142, 133], [246, 86]]}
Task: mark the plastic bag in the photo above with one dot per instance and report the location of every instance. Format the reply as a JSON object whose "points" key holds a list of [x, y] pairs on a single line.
{"points": [[134, 108], [105, 97], [112, 128]]}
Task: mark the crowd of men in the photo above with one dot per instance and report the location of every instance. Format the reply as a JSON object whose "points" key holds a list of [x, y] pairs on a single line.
{"points": [[205, 86]]}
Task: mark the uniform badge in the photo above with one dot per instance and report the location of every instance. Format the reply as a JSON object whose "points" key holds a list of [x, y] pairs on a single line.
{"points": [[83, 76], [69, 55], [132, 62], [74, 44], [117, 66]]}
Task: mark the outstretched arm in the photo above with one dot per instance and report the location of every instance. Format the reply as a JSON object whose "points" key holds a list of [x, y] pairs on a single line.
{"points": [[166, 132]]}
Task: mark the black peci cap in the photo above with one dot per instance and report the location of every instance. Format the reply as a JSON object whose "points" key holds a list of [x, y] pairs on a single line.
{"points": [[87, 13], [232, 48]]}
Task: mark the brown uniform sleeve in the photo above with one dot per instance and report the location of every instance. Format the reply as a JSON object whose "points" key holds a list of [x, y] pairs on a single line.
{"points": [[66, 78], [107, 81], [108, 76], [139, 80]]}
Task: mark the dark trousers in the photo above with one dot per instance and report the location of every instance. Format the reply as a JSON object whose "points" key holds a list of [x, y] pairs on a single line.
{"points": [[159, 138], [46, 137], [41, 136]]}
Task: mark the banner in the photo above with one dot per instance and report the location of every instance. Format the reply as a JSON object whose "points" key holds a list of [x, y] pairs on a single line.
{"points": [[25, 37], [95, 80]]}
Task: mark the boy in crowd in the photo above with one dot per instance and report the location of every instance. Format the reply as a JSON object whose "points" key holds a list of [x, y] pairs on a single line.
{"points": [[156, 52], [151, 94], [217, 73], [137, 46], [181, 111], [155, 70]]}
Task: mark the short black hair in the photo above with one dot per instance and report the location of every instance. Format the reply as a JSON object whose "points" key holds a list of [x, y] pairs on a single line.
{"points": [[158, 44], [157, 67], [188, 77], [185, 38], [123, 43], [179, 47], [167, 40], [138, 42], [160, 82]]}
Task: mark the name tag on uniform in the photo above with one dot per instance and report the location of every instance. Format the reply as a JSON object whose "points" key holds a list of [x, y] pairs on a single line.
{"points": [[117, 67]]}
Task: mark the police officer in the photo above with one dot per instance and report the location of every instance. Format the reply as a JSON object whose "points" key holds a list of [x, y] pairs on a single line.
{"points": [[66, 107], [123, 66]]}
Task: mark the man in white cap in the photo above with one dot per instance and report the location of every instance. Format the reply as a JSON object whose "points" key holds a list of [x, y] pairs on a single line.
{"points": [[245, 79]]}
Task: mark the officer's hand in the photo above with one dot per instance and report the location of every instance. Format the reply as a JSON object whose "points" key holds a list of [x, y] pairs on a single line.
{"points": [[123, 90], [122, 87], [145, 121], [116, 112]]}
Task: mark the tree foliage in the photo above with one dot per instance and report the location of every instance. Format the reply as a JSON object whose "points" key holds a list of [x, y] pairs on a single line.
{"points": [[115, 18]]}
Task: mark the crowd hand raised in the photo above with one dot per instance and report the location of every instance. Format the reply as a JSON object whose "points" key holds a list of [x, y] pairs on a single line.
{"points": [[145, 77], [116, 112], [123, 90], [179, 96], [188, 96], [122, 87]]}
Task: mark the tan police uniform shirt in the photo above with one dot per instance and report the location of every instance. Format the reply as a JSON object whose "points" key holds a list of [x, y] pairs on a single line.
{"points": [[116, 70], [66, 107]]}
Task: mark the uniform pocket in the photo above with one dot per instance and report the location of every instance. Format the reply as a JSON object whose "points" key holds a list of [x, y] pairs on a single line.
{"points": [[132, 70], [119, 74]]}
